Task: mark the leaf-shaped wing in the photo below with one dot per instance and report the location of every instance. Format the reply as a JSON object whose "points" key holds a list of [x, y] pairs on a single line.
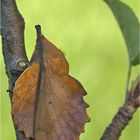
{"points": [[24, 100], [61, 112], [48, 103]]}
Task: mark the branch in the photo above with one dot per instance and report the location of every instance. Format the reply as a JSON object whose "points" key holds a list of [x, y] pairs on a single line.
{"points": [[12, 32], [125, 113]]}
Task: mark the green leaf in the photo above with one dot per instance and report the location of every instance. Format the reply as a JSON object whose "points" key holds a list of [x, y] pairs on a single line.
{"points": [[129, 26]]}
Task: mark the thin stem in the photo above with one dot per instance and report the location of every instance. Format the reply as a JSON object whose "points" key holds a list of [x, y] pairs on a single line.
{"points": [[128, 79]]}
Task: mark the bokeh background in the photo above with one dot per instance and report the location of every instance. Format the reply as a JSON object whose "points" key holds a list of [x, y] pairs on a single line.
{"points": [[86, 31]]}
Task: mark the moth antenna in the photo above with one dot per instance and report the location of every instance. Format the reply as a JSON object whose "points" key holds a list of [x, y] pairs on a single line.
{"points": [[38, 31], [40, 46]]}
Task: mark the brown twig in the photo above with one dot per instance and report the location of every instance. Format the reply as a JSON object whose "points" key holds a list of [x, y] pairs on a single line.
{"points": [[12, 32], [125, 113]]}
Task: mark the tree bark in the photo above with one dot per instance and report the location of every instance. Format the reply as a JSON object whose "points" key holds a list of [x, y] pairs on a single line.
{"points": [[12, 33]]}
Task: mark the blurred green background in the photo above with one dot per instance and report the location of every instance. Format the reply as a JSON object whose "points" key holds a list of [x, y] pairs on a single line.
{"points": [[86, 31]]}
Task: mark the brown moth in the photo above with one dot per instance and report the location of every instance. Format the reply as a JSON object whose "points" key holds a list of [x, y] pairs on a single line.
{"points": [[48, 103]]}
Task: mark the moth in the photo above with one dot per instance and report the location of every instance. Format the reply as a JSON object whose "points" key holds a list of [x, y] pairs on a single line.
{"points": [[48, 103]]}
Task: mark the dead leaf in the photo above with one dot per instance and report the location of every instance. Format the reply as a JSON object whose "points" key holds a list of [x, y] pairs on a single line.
{"points": [[57, 111]]}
